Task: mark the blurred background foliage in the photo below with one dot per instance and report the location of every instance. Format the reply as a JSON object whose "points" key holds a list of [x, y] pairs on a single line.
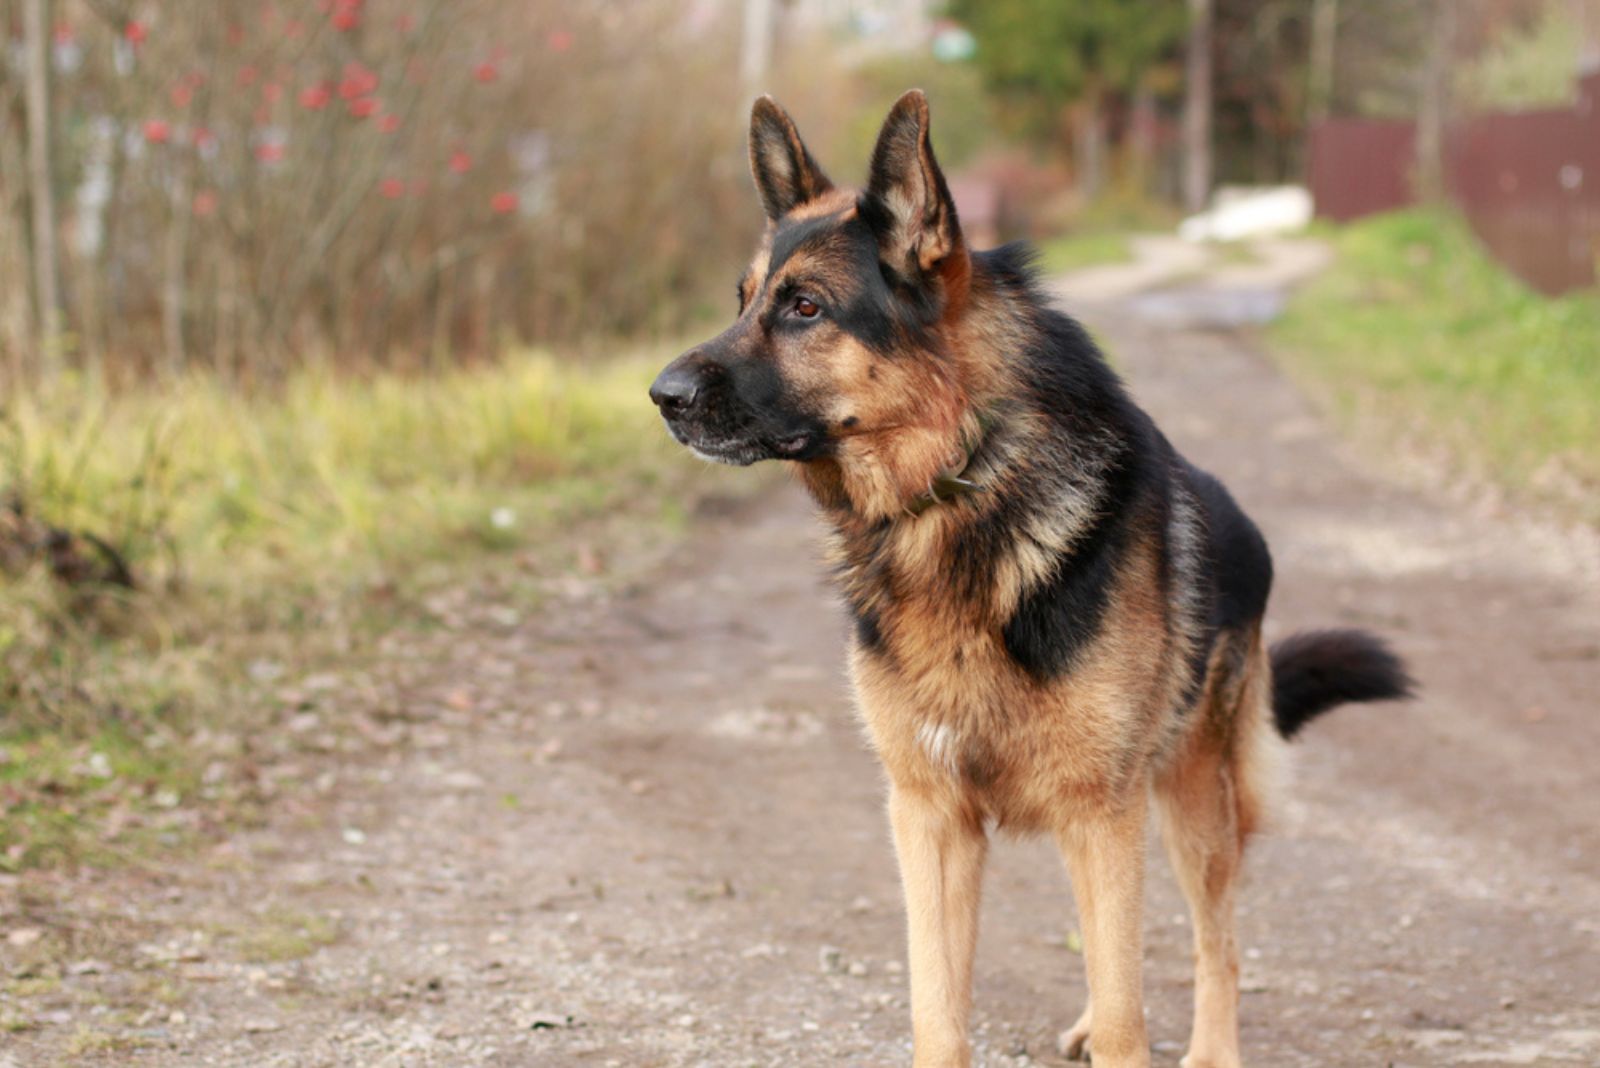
{"points": [[242, 186]]}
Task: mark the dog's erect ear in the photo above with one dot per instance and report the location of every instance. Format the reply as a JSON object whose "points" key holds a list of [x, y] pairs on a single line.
{"points": [[917, 222], [786, 175]]}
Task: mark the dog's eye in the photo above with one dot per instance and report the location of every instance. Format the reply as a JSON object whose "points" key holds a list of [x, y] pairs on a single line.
{"points": [[806, 308]]}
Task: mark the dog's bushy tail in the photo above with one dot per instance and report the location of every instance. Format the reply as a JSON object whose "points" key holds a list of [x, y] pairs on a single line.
{"points": [[1317, 670]]}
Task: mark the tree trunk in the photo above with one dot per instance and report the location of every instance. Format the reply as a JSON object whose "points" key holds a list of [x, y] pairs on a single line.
{"points": [[1433, 111], [1089, 144], [1197, 108], [41, 192], [174, 294], [1142, 137], [1324, 41], [755, 49]]}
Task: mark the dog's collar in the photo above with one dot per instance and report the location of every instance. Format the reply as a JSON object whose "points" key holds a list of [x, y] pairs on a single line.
{"points": [[952, 482], [946, 486]]}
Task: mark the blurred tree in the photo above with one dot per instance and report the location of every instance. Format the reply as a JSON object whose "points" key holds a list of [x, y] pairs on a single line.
{"points": [[41, 183], [1061, 64], [1197, 108], [1433, 110], [1324, 46]]}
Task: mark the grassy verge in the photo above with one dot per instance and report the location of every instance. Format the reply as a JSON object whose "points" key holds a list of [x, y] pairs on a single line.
{"points": [[268, 536], [1417, 330], [1072, 252]]}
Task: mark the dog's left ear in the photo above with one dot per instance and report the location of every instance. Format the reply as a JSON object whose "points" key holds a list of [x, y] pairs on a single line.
{"points": [[916, 217]]}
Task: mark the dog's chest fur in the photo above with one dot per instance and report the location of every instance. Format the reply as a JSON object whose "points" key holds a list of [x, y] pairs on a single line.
{"points": [[955, 700]]}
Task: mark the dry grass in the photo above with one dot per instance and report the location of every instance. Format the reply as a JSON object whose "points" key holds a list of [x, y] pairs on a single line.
{"points": [[270, 535]]}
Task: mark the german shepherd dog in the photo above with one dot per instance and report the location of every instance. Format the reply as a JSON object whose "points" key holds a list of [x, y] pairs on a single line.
{"points": [[1057, 617]]}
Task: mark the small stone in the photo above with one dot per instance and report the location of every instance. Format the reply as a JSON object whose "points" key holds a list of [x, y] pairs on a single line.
{"points": [[24, 936], [461, 780], [857, 969], [261, 1027], [685, 1021], [590, 561]]}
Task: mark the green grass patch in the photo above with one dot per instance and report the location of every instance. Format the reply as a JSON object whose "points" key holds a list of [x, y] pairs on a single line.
{"points": [[1416, 328], [283, 935], [271, 535], [1094, 248]]}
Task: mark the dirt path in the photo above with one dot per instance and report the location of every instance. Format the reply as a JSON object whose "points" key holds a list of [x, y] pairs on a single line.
{"points": [[640, 828]]}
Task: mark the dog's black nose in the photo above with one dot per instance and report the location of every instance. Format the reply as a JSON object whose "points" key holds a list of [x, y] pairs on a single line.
{"points": [[676, 389]]}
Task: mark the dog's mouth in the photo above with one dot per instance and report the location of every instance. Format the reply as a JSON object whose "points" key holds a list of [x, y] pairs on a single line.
{"points": [[743, 450]]}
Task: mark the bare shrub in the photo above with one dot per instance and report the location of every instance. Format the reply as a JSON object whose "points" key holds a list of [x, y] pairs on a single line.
{"points": [[243, 184]]}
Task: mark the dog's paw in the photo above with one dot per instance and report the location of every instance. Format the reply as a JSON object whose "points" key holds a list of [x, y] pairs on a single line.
{"points": [[1224, 1061], [1074, 1041]]}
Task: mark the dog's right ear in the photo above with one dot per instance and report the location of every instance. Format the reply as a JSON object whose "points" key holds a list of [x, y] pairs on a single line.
{"points": [[786, 175]]}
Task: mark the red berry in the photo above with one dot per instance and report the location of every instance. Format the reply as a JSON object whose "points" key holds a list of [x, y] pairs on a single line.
{"points": [[315, 98], [391, 189], [460, 162], [486, 72], [559, 40], [135, 32], [363, 108], [157, 131], [503, 203], [388, 123]]}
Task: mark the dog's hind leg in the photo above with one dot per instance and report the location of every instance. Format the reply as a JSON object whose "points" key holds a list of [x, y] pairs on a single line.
{"points": [[941, 850], [1105, 857], [1211, 797], [1200, 827]]}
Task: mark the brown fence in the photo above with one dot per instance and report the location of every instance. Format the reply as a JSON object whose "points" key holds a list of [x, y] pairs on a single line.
{"points": [[1528, 182]]}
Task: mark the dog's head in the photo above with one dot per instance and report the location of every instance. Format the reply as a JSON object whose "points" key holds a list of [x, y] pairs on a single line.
{"points": [[838, 356]]}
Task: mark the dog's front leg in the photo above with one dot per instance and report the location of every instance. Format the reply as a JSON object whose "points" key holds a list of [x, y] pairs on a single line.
{"points": [[941, 850], [1105, 857]]}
